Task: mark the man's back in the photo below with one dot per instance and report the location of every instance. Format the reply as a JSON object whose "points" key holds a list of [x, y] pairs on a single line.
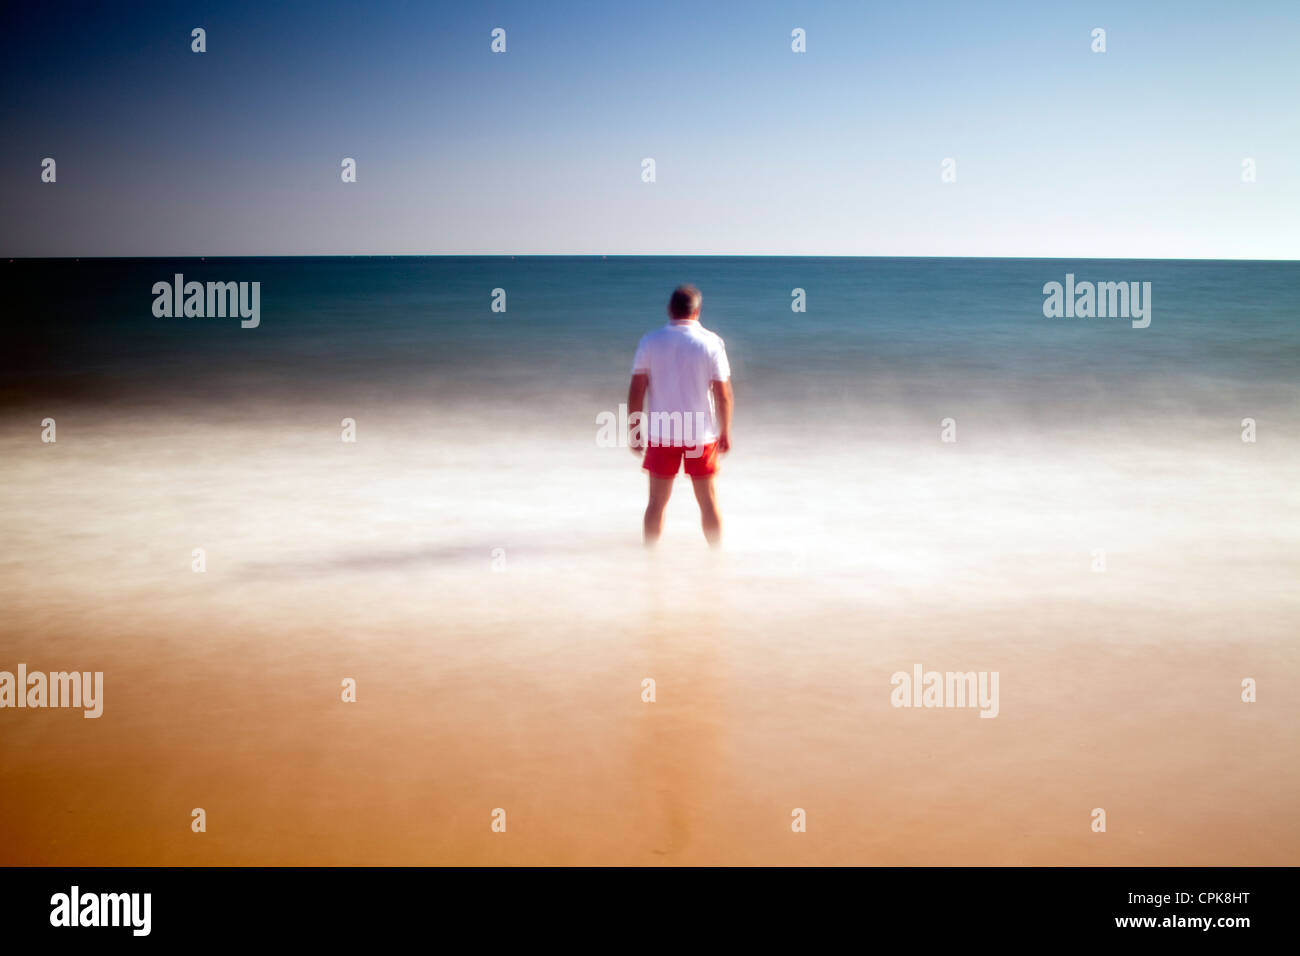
{"points": [[683, 360]]}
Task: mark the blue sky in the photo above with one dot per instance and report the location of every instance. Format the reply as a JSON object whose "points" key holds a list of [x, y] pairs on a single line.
{"points": [[1059, 151]]}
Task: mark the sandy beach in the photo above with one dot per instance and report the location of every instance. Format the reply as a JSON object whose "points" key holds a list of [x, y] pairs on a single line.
{"points": [[480, 578]]}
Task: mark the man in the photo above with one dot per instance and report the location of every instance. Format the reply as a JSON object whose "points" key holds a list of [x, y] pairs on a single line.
{"points": [[682, 369]]}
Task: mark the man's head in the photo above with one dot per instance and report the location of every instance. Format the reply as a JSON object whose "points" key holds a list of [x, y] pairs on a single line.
{"points": [[685, 302]]}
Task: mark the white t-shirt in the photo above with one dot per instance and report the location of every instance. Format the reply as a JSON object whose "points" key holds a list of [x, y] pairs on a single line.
{"points": [[682, 358]]}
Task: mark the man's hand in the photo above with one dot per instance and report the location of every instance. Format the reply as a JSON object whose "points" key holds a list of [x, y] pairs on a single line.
{"points": [[723, 401]]}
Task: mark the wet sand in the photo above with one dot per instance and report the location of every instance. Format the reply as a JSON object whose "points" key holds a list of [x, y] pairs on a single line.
{"points": [[520, 688]]}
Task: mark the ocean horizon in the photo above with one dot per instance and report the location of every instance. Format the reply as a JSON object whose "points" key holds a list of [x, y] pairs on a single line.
{"points": [[864, 321]]}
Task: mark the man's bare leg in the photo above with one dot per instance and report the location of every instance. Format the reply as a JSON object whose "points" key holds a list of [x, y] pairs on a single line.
{"points": [[660, 489], [710, 518]]}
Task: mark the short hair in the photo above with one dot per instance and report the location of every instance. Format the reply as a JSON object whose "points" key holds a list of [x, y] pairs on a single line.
{"points": [[685, 302]]}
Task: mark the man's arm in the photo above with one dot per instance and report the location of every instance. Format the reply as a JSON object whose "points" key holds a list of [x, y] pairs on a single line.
{"points": [[722, 400], [635, 409]]}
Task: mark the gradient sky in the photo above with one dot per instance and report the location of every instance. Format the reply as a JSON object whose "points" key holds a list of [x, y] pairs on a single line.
{"points": [[1060, 151]]}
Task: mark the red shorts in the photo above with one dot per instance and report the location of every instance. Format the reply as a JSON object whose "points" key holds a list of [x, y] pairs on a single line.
{"points": [[663, 461]]}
